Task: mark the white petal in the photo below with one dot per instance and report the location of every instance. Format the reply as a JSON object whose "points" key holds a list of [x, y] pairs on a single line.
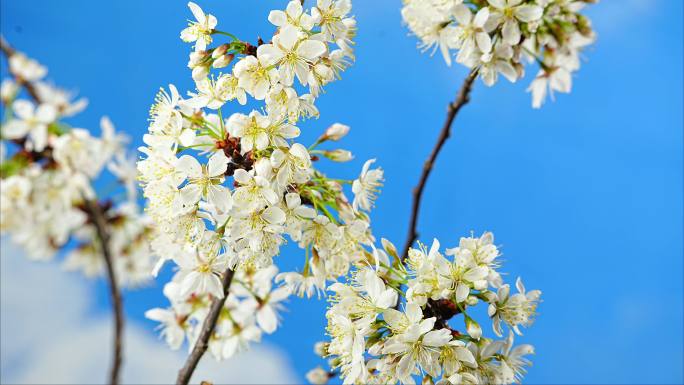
{"points": [[39, 137], [15, 129], [288, 37], [311, 49], [220, 197], [267, 319], [46, 113], [437, 337], [197, 12], [274, 215], [277, 18], [292, 200], [463, 14], [218, 164], [484, 42], [294, 9], [499, 4], [414, 313], [511, 32], [189, 166], [23, 109], [157, 314], [528, 13], [481, 17], [241, 176], [190, 194]]}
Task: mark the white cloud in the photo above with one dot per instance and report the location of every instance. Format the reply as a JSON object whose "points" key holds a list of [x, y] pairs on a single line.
{"points": [[48, 336], [613, 16]]}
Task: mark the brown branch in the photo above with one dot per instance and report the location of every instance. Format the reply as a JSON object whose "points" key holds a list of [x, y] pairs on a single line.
{"points": [[96, 215], [454, 107], [207, 331]]}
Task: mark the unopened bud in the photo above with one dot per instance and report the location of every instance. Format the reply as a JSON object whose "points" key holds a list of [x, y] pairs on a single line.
{"points": [[339, 155], [199, 73], [471, 300], [336, 132], [389, 247], [318, 376], [8, 90], [519, 69], [584, 26], [321, 349], [223, 61], [196, 58], [219, 51], [473, 328]]}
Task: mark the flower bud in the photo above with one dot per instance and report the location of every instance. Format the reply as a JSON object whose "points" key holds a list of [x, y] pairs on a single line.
{"points": [[584, 26], [8, 90], [223, 61], [336, 132], [318, 376], [389, 248], [321, 349], [339, 155], [219, 51], [196, 58], [199, 73], [471, 300], [473, 328]]}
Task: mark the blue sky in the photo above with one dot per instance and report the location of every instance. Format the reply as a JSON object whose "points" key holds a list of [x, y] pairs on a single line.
{"points": [[584, 195]]}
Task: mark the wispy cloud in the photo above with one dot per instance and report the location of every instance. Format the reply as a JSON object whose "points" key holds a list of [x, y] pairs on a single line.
{"points": [[48, 336], [613, 16]]}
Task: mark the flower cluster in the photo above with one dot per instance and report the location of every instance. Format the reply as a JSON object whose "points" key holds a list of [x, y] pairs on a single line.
{"points": [[499, 36], [227, 193], [47, 170], [372, 342], [250, 309]]}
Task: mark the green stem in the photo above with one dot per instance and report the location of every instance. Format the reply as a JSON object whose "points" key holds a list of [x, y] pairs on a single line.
{"points": [[216, 31]]}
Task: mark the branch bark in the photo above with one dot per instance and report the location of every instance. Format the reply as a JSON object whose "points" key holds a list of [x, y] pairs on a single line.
{"points": [[462, 98], [97, 217], [208, 327]]}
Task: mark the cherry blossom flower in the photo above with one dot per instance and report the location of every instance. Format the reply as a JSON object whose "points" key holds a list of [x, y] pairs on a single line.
{"points": [[31, 121], [201, 30]]}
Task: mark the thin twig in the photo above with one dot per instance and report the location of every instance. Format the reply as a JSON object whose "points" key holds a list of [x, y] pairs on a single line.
{"points": [[96, 215], [462, 99], [207, 331]]}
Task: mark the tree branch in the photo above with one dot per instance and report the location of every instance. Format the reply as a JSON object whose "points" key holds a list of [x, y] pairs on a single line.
{"points": [[454, 107], [208, 327], [96, 215]]}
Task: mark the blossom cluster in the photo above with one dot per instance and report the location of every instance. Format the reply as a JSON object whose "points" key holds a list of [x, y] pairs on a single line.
{"points": [[227, 193], [500, 36], [373, 342], [47, 170]]}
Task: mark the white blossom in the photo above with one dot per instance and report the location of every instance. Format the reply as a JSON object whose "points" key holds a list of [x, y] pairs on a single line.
{"points": [[200, 30], [497, 36]]}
